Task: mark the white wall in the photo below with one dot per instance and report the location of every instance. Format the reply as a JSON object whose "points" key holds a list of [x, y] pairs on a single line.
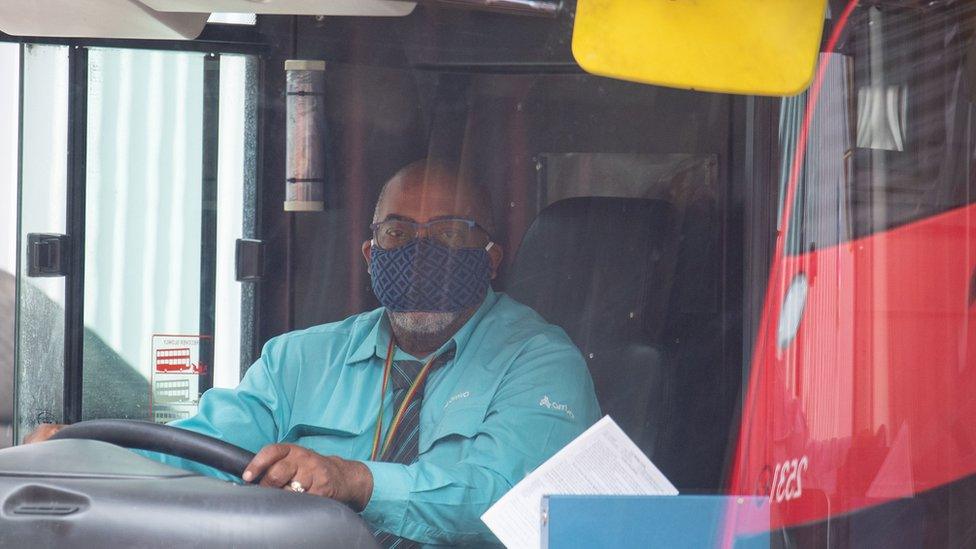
{"points": [[230, 219], [143, 198], [143, 225], [9, 87]]}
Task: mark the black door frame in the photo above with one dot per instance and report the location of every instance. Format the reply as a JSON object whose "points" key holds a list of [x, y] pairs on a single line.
{"points": [[215, 40]]}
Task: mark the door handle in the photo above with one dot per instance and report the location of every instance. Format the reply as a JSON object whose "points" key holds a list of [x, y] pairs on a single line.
{"points": [[47, 254]]}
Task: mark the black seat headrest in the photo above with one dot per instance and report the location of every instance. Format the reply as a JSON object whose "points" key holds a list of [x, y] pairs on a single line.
{"points": [[599, 267]]}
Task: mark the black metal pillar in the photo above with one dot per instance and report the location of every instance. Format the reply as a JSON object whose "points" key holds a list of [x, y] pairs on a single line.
{"points": [[208, 237], [74, 325]]}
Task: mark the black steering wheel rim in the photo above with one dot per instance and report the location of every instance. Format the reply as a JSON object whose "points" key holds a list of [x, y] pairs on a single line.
{"points": [[155, 437]]}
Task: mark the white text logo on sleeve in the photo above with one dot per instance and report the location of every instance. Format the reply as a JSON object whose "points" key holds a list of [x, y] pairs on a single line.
{"points": [[457, 397], [546, 402]]}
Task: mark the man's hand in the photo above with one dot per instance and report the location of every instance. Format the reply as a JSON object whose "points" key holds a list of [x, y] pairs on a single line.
{"points": [[333, 477], [43, 432]]}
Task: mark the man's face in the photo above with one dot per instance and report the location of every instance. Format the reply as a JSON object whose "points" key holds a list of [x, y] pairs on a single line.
{"points": [[422, 197]]}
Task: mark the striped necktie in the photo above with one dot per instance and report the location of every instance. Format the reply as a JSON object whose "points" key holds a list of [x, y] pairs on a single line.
{"points": [[403, 447]]}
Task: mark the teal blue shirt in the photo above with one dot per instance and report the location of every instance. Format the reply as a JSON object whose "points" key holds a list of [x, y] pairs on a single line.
{"points": [[516, 391]]}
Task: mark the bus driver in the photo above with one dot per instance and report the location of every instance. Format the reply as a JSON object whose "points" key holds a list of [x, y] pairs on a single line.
{"points": [[424, 412]]}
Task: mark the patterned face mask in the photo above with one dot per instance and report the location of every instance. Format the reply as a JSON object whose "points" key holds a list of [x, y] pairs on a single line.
{"points": [[425, 275]]}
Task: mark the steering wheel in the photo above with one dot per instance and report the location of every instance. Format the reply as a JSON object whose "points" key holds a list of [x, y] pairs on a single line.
{"points": [[155, 437]]}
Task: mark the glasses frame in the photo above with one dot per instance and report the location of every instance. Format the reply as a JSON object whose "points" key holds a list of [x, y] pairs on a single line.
{"points": [[417, 225]]}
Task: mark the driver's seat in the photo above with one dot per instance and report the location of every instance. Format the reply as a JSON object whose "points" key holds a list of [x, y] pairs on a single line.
{"points": [[602, 269]]}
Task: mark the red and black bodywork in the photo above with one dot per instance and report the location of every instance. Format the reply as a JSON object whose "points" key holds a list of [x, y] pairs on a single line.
{"points": [[857, 420]]}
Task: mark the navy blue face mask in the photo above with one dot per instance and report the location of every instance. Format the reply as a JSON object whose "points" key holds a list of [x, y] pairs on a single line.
{"points": [[426, 275]]}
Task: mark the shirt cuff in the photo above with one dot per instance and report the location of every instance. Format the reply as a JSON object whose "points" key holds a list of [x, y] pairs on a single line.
{"points": [[391, 492]]}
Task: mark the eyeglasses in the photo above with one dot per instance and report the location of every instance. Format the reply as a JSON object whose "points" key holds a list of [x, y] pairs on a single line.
{"points": [[454, 233]]}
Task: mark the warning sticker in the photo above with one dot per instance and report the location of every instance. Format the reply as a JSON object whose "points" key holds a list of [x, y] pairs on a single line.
{"points": [[176, 370]]}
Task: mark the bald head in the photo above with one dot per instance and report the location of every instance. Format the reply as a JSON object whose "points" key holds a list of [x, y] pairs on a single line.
{"points": [[426, 190]]}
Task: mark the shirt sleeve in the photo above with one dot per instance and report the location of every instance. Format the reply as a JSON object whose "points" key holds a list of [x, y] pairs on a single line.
{"points": [[247, 416], [543, 402]]}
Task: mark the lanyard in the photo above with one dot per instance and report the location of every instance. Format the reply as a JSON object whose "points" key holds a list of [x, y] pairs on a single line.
{"points": [[411, 392]]}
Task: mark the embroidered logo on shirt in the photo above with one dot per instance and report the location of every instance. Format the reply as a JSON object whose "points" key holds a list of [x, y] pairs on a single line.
{"points": [[457, 397], [547, 403]]}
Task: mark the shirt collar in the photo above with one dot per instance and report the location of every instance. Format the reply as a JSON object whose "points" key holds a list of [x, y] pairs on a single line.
{"points": [[377, 340]]}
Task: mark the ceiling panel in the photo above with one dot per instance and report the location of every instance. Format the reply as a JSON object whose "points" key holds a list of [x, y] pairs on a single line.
{"points": [[97, 19], [294, 7]]}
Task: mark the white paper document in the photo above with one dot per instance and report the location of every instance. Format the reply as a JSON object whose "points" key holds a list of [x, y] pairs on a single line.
{"points": [[601, 461]]}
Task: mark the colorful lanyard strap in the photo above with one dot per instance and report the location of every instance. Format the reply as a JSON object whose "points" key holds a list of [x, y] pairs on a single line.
{"points": [[411, 392]]}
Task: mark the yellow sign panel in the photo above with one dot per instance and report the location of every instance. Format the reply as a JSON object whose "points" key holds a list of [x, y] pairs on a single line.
{"points": [[736, 46]]}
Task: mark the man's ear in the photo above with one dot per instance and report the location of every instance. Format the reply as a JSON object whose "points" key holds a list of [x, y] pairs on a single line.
{"points": [[367, 247], [495, 255]]}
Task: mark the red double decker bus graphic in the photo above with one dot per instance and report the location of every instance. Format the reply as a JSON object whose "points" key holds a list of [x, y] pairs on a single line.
{"points": [[176, 361]]}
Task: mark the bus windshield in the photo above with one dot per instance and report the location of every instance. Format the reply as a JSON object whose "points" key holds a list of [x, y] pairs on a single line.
{"points": [[771, 296]]}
